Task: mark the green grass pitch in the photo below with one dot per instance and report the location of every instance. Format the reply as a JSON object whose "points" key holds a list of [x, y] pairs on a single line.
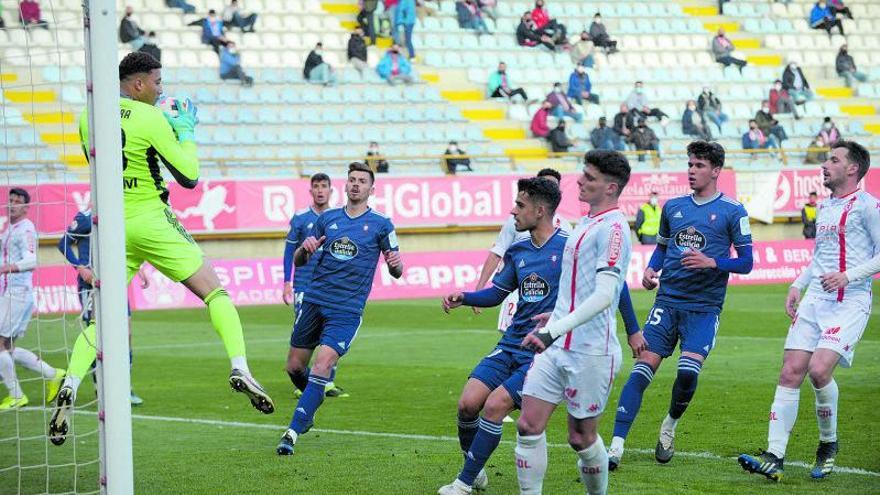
{"points": [[396, 433]]}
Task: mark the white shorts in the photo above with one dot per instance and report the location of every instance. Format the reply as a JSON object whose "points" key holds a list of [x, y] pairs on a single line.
{"points": [[828, 324], [583, 381], [508, 309], [15, 313]]}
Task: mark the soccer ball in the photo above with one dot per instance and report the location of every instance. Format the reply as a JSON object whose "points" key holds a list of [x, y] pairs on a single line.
{"points": [[172, 105]]}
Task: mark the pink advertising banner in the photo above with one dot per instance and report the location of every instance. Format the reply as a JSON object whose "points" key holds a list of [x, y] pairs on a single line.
{"points": [[795, 185], [267, 205]]}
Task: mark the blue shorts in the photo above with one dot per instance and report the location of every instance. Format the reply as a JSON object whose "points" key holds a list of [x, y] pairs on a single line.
{"points": [[667, 325], [322, 325], [503, 368]]}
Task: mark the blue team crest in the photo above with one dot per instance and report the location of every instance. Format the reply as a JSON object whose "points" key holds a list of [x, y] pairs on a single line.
{"points": [[690, 238], [533, 288], [343, 249]]}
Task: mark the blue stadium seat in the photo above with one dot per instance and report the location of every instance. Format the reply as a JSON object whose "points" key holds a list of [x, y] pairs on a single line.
{"points": [[247, 116], [352, 115], [206, 96], [352, 135], [351, 95], [51, 73], [272, 76], [269, 95], [291, 95], [413, 114], [412, 134], [332, 116], [331, 134], [288, 135], [267, 136], [183, 75]]}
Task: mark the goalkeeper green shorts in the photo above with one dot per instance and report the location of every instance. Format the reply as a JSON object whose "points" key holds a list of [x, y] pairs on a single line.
{"points": [[158, 238]]}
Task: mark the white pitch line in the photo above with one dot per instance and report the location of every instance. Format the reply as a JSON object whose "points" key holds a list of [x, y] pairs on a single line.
{"points": [[443, 438]]}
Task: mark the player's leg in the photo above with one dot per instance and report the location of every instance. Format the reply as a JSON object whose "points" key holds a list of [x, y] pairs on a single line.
{"points": [[298, 366], [592, 463], [470, 403], [542, 390], [16, 397]]}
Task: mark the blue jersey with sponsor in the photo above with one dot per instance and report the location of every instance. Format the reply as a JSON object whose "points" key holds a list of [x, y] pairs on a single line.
{"points": [[301, 225], [534, 271], [75, 244], [343, 273], [712, 228]]}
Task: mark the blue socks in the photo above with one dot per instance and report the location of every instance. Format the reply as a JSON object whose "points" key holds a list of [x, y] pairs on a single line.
{"points": [[310, 401], [685, 385], [631, 398], [467, 429], [484, 443]]}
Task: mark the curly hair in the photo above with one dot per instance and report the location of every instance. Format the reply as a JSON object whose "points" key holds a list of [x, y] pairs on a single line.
{"points": [[137, 63]]}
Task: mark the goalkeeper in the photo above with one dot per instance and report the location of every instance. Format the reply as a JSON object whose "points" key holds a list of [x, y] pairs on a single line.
{"points": [[150, 139]]}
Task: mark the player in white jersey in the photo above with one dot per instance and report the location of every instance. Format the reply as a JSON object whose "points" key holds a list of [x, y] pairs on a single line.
{"points": [[579, 354], [18, 245], [830, 320], [506, 237]]}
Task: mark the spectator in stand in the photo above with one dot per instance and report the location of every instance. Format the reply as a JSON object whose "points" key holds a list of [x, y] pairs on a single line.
{"points": [[30, 16], [817, 152], [539, 126], [581, 52], [710, 106], [722, 49], [213, 31], [780, 101], [599, 35], [230, 65], [405, 16], [648, 220], [561, 106], [603, 137], [470, 16], [822, 17], [375, 160], [501, 87], [130, 32], [460, 163], [644, 139], [768, 125], [693, 124], [394, 67], [181, 4], [837, 8], [547, 25], [366, 18], [829, 133], [796, 84], [389, 16], [808, 217], [558, 139], [638, 102], [528, 35], [490, 9], [624, 122], [755, 139], [357, 50], [580, 88], [316, 70], [846, 68], [152, 47], [422, 11], [232, 16]]}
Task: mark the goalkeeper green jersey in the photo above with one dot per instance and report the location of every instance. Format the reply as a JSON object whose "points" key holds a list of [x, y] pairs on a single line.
{"points": [[148, 142]]}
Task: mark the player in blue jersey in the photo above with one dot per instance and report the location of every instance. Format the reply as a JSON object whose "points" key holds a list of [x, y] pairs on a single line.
{"points": [[352, 239], [693, 261], [300, 227], [75, 245]]}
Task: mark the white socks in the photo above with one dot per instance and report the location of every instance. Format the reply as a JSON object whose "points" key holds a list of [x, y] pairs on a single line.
{"points": [[30, 361], [783, 414], [593, 467], [531, 463], [826, 411], [240, 363], [7, 371], [668, 424]]}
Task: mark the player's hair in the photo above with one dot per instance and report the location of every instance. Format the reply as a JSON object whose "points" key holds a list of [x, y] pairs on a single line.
{"points": [[361, 167], [17, 191], [611, 164], [137, 63], [550, 172], [320, 176], [704, 150], [542, 191], [857, 154]]}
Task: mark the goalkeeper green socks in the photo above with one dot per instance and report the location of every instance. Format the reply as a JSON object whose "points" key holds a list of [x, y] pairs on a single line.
{"points": [[83, 354], [225, 319]]}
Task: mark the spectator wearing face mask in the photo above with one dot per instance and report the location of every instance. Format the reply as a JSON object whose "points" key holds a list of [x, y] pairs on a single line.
{"points": [[213, 31], [756, 139], [528, 35], [460, 163], [375, 160], [709, 106], [580, 89], [817, 152], [230, 65], [233, 16], [823, 17], [722, 49], [394, 67], [470, 16], [501, 87], [539, 126], [316, 70], [796, 84], [780, 101], [600, 36], [644, 139], [648, 220], [561, 106], [582, 49], [829, 133], [558, 139], [547, 25], [624, 122], [769, 125], [603, 137], [846, 68], [637, 102], [693, 124]]}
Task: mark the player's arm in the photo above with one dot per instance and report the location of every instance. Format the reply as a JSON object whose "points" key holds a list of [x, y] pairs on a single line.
{"points": [[391, 251], [503, 284], [65, 246], [489, 267], [650, 280], [290, 245], [179, 153]]}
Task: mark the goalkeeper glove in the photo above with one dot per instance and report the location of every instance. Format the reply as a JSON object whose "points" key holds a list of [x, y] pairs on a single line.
{"points": [[184, 124]]}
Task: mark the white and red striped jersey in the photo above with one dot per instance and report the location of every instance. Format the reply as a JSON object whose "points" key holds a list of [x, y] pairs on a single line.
{"points": [[509, 235], [19, 247], [847, 235], [599, 243]]}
